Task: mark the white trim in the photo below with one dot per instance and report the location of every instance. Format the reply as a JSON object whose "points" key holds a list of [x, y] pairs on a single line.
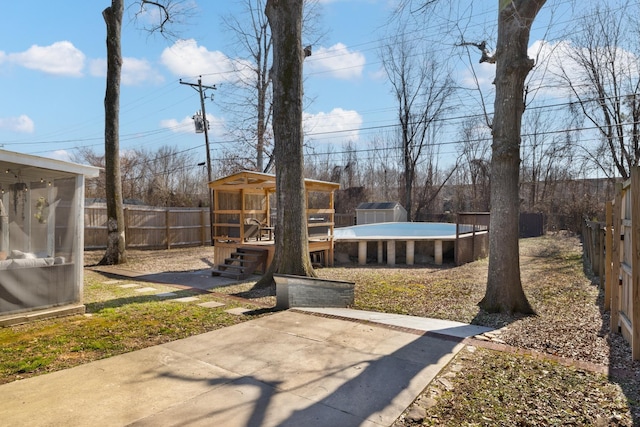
{"points": [[52, 164]]}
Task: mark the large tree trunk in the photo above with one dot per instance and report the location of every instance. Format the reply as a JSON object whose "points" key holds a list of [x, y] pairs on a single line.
{"points": [[504, 288], [115, 253], [291, 240]]}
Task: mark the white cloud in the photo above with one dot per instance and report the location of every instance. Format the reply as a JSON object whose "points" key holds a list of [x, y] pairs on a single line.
{"points": [[338, 125], [134, 71], [378, 75], [183, 126], [63, 155], [551, 59], [21, 124], [60, 58], [216, 125], [186, 58], [554, 60], [98, 67], [485, 74], [337, 61]]}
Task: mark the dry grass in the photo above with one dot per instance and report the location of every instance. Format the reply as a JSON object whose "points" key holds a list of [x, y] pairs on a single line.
{"points": [[487, 388], [106, 330], [481, 386], [569, 322], [157, 261]]}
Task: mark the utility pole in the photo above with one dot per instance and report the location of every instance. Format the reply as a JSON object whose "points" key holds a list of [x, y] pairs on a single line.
{"points": [[204, 128]]}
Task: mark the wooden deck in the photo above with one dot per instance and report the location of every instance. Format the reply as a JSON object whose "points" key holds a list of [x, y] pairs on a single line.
{"points": [[321, 251], [244, 211]]}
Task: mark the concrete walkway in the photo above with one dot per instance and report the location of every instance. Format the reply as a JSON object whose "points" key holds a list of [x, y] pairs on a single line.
{"points": [[292, 368]]}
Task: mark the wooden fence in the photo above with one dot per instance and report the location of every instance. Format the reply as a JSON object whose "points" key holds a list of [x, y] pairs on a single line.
{"points": [[149, 227], [344, 220], [612, 250], [593, 239]]}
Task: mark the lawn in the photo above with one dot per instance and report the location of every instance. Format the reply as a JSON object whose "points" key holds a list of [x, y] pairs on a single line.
{"points": [[118, 319], [551, 370]]}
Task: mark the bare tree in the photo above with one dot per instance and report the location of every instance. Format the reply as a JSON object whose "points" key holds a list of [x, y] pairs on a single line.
{"points": [[421, 87], [384, 175], [546, 157], [249, 97], [165, 177], [504, 291], [292, 242], [164, 16], [475, 155], [431, 181], [603, 74], [116, 244]]}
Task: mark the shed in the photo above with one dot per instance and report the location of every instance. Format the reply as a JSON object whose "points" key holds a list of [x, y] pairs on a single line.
{"points": [[373, 212], [41, 236]]}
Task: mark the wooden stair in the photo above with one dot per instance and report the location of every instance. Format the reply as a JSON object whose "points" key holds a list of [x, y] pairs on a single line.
{"points": [[242, 264]]}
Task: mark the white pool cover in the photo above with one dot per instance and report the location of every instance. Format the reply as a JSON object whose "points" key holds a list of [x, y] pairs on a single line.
{"points": [[397, 231]]}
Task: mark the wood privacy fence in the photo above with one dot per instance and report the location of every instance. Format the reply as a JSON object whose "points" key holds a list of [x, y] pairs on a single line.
{"points": [[593, 238], [150, 227], [612, 250]]}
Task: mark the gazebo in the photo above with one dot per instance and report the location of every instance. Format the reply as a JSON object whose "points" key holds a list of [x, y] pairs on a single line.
{"points": [[244, 210], [41, 237]]}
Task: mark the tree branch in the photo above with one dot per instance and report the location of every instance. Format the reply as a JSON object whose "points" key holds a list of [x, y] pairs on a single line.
{"points": [[164, 12], [482, 47]]}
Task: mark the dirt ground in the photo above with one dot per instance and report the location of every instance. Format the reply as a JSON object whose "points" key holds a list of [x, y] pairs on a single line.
{"points": [[157, 261]]}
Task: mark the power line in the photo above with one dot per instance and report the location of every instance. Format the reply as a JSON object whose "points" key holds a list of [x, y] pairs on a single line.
{"points": [[144, 100]]}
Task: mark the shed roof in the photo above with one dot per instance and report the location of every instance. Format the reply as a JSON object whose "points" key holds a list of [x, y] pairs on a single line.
{"points": [[258, 180], [30, 168], [378, 205]]}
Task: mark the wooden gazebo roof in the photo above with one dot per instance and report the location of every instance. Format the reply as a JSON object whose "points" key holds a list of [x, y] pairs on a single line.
{"points": [[257, 180]]}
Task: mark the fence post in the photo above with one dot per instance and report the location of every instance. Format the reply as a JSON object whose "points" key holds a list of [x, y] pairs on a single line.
{"points": [[608, 246], [615, 256], [167, 225], [595, 246], [203, 228], [125, 212], [586, 241], [601, 254], [635, 263]]}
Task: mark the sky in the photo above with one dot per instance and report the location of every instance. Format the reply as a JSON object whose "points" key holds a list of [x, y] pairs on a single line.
{"points": [[53, 67]]}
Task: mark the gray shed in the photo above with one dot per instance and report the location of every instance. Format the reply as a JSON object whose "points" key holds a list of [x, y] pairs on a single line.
{"points": [[373, 212]]}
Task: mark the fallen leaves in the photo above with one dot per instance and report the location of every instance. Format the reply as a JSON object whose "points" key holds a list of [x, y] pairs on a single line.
{"points": [[501, 389]]}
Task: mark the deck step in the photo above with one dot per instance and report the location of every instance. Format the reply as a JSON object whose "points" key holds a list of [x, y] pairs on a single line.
{"points": [[242, 264]]}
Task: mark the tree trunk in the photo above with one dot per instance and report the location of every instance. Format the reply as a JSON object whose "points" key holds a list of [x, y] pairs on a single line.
{"points": [[264, 111], [504, 288], [115, 253], [291, 240]]}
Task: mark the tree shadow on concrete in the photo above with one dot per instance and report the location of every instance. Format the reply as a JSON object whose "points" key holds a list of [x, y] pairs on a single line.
{"points": [[337, 383]]}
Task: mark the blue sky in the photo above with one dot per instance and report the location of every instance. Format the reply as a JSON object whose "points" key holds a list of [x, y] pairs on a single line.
{"points": [[52, 68]]}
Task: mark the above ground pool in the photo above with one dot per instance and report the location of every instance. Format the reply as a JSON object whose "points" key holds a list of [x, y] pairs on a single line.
{"points": [[397, 230], [390, 232]]}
